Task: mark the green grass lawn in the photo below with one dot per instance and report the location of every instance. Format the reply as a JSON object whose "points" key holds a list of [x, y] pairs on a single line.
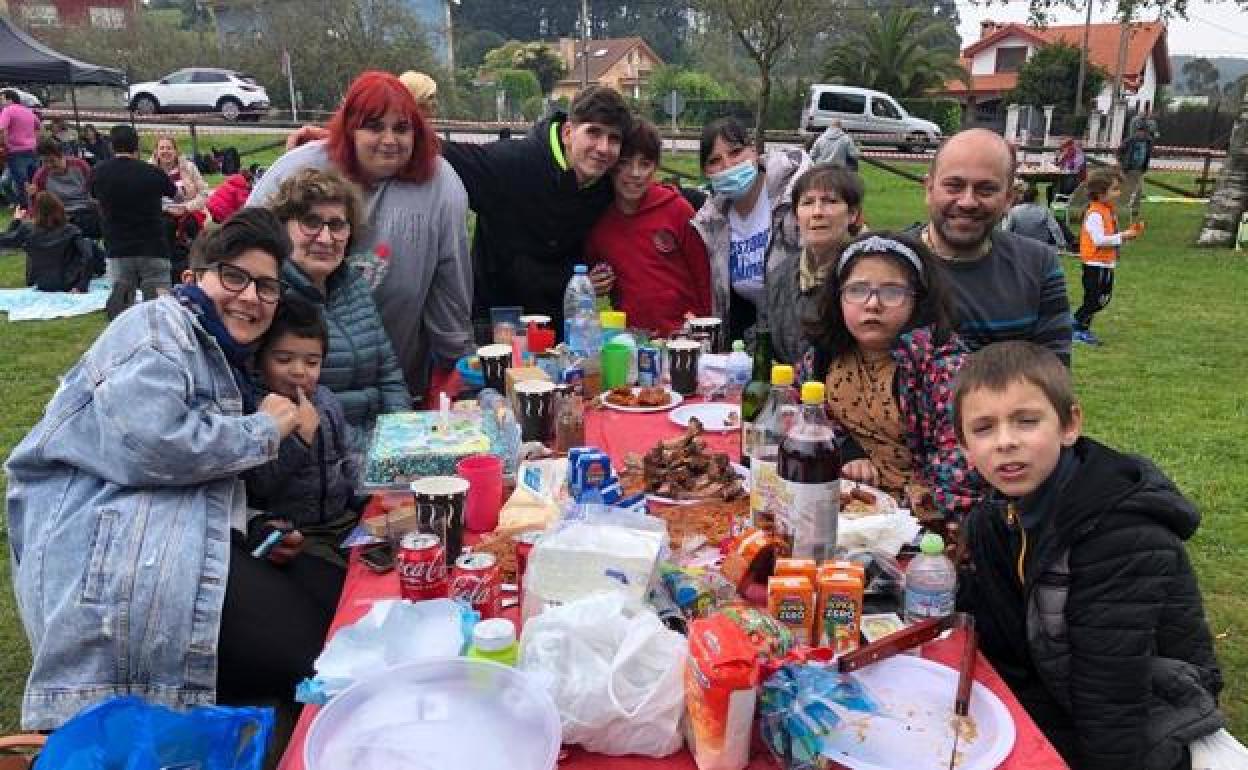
{"points": [[1168, 384]]}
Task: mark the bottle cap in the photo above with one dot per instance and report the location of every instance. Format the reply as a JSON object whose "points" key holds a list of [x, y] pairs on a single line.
{"points": [[781, 374], [613, 319], [580, 270], [738, 346], [812, 392], [493, 635], [932, 544]]}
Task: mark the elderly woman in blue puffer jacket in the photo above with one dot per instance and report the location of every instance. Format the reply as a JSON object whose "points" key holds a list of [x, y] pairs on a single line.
{"points": [[322, 212]]}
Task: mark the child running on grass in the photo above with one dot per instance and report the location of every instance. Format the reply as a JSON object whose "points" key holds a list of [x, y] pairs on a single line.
{"points": [[1099, 242], [1081, 587]]}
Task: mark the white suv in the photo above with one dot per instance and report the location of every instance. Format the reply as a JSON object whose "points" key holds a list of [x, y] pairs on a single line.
{"points": [[201, 89]]}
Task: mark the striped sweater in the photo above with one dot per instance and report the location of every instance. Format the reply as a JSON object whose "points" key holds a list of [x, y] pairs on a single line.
{"points": [[1016, 292]]}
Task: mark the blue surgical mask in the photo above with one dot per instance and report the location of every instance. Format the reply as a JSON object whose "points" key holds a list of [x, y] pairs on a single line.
{"points": [[735, 182]]}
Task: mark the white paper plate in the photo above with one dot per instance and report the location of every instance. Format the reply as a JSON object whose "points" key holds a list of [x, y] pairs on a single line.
{"points": [[884, 502], [918, 695], [676, 400], [714, 417]]}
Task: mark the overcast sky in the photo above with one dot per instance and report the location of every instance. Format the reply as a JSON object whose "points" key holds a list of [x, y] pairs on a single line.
{"points": [[1211, 29]]}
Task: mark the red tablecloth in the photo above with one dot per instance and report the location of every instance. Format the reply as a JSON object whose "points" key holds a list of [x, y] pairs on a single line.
{"points": [[620, 434]]}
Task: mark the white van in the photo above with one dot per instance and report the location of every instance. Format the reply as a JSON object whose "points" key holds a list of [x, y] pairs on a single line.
{"points": [[863, 111]]}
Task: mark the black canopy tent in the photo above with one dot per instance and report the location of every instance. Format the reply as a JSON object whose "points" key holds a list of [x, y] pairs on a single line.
{"points": [[25, 60]]}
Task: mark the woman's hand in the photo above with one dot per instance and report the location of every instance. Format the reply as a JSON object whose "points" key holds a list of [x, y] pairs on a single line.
{"points": [[305, 135], [308, 420], [283, 412], [862, 470]]}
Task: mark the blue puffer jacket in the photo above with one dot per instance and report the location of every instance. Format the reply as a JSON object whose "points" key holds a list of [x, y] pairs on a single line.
{"points": [[360, 366], [120, 504]]}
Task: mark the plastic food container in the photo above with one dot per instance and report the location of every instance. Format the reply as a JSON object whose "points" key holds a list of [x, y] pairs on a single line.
{"points": [[437, 714]]}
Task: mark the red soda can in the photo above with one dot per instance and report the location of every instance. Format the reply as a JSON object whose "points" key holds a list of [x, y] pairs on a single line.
{"points": [[422, 567], [476, 581], [524, 546]]}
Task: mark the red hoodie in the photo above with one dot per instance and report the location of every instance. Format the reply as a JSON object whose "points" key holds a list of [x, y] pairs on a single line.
{"points": [[660, 263], [229, 197]]}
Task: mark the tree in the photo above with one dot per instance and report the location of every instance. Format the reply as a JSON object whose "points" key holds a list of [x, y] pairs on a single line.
{"points": [[1048, 77], [540, 59], [691, 84], [1201, 77], [895, 54], [471, 47], [765, 28], [521, 87]]}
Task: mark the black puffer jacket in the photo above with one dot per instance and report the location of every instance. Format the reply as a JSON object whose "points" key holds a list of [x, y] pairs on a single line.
{"points": [[1104, 638], [532, 218], [56, 260]]}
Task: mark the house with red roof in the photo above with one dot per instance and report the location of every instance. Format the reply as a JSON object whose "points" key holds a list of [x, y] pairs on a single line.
{"points": [[995, 59], [624, 63]]}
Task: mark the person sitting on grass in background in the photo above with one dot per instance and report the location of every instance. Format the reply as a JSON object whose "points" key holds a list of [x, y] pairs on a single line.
{"points": [[1082, 591], [886, 349], [1099, 242], [310, 487], [232, 194], [58, 257], [1033, 220]]}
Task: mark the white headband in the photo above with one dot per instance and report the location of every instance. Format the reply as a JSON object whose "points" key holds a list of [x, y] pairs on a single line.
{"points": [[879, 245]]}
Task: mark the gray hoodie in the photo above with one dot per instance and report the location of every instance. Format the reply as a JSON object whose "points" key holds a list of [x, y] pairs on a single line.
{"points": [[782, 168], [834, 146]]}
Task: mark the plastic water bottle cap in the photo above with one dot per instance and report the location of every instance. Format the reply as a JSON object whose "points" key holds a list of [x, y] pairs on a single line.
{"points": [[580, 270], [781, 374], [738, 346], [932, 544], [613, 319], [812, 392], [493, 635]]}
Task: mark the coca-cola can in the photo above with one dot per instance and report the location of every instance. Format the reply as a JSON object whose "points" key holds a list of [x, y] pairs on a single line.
{"points": [[476, 580], [524, 546], [422, 567]]}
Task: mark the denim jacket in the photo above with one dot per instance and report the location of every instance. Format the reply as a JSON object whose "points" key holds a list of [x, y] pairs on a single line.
{"points": [[120, 504]]}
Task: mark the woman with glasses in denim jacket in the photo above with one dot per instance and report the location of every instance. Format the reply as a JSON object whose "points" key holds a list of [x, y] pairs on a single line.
{"points": [[321, 212], [885, 348], [128, 523]]}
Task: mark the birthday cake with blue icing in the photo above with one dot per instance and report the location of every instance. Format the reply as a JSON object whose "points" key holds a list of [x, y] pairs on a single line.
{"points": [[412, 445]]}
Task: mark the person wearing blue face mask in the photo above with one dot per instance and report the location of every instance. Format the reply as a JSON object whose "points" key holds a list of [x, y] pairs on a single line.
{"points": [[748, 223]]}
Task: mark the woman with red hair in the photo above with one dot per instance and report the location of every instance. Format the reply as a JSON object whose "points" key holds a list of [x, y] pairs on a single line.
{"points": [[414, 244]]}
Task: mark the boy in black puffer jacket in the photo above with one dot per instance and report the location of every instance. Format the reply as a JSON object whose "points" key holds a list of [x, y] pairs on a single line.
{"points": [[1081, 587], [310, 486]]}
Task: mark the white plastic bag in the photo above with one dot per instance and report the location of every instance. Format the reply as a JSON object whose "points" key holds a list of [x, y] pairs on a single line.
{"points": [[614, 671], [1218, 751]]}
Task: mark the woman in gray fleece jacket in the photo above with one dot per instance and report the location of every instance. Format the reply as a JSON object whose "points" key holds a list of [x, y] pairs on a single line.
{"points": [[413, 250]]}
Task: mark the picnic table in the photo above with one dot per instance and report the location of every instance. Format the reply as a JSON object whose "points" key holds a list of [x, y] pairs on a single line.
{"points": [[621, 434]]}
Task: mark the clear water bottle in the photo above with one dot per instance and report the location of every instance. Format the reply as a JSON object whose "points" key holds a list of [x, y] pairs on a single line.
{"points": [[578, 295], [738, 370], [931, 581]]}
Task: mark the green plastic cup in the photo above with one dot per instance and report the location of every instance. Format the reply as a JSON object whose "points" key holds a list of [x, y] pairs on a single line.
{"points": [[617, 360]]}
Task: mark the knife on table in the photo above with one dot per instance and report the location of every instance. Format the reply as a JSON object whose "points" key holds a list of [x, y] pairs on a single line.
{"points": [[966, 676]]}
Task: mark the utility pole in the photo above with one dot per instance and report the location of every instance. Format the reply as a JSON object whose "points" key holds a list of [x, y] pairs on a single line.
{"points": [[1083, 63], [584, 44], [1124, 38]]}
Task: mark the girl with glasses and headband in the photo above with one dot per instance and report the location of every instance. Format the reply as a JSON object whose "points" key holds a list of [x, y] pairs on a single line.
{"points": [[128, 522], [321, 213], [885, 348]]}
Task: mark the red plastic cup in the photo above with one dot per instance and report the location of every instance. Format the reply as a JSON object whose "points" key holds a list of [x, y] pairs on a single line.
{"points": [[484, 474], [540, 340]]}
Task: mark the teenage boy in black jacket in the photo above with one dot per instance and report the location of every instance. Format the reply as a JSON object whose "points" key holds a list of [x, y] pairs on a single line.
{"points": [[1081, 588], [537, 198]]}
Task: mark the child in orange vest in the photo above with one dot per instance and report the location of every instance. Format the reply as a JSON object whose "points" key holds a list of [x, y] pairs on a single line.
{"points": [[1099, 241]]}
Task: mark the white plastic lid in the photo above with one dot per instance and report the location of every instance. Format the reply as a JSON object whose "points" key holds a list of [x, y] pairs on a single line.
{"points": [[494, 635], [932, 544]]}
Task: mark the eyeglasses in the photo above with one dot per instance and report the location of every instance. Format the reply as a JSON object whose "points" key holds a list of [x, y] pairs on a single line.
{"points": [[236, 280], [889, 295], [311, 225]]}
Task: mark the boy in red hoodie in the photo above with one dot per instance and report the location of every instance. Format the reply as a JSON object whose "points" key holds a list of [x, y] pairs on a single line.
{"points": [[658, 260], [232, 194]]}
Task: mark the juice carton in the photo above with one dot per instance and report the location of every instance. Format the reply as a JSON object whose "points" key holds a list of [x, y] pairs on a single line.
{"points": [[843, 565], [796, 568], [839, 611], [791, 601], [721, 687]]}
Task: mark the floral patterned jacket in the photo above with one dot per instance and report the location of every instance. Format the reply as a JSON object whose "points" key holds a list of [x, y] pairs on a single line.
{"points": [[924, 391]]}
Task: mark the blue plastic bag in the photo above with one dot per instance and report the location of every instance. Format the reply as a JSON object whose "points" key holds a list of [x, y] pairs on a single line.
{"points": [[795, 710], [128, 733]]}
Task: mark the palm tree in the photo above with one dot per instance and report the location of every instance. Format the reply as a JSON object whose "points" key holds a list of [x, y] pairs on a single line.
{"points": [[896, 53]]}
